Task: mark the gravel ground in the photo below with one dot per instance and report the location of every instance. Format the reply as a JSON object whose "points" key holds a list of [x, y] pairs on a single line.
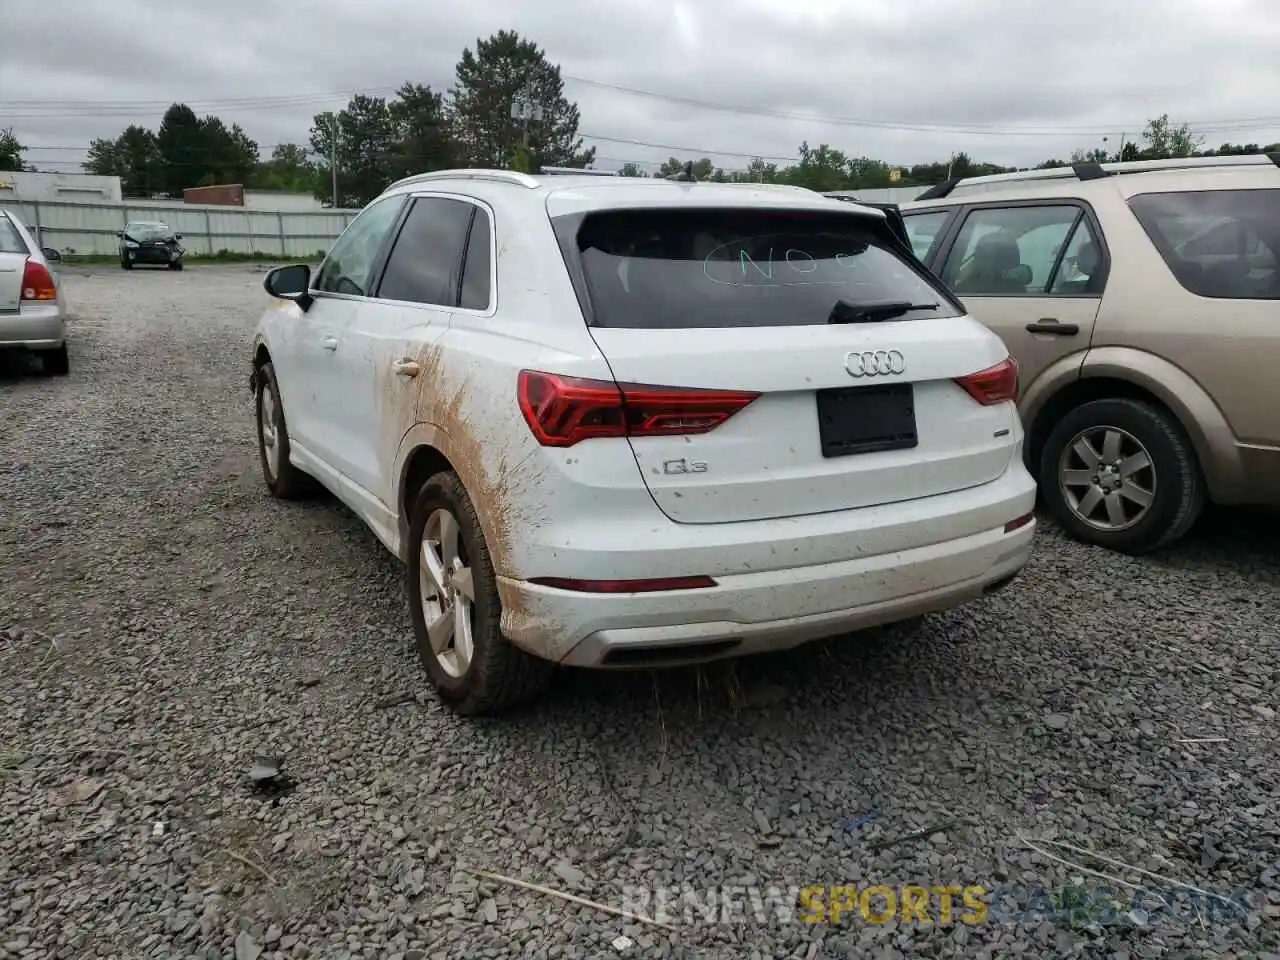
{"points": [[162, 622]]}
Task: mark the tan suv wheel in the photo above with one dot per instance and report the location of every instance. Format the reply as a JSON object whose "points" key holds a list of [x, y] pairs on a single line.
{"points": [[1120, 473]]}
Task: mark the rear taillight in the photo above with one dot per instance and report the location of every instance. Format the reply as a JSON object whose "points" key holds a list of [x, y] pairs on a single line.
{"points": [[993, 385], [37, 282], [562, 411]]}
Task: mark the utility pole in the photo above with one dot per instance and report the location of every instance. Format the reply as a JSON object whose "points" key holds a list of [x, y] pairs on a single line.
{"points": [[333, 157], [524, 110]]}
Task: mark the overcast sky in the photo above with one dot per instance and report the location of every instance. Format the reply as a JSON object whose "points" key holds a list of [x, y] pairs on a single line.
{"points": [[1005, 80]]}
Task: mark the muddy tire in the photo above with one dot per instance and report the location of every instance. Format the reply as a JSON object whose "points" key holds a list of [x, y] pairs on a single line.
{"points": [[283, 479], [1121, 474], [457, 616]]}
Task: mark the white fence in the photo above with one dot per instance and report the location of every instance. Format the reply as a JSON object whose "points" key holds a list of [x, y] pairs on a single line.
{"points": [[90, 228]]}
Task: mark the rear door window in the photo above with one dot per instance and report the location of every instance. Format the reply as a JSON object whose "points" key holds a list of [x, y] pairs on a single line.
{"points": [[1009, 251], [923, 229], [1218, 243], [425, 261], [692, 268], [1082, 271]]}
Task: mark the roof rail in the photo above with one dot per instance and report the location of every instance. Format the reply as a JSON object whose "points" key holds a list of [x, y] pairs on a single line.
{"points": [[577, 172], [1093, 171], [497, 176]]}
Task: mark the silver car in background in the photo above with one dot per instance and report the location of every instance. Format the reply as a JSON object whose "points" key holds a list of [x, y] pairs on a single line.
{"points": [[33, 312]]}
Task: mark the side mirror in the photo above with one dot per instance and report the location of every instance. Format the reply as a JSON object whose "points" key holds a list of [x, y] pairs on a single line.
{"points": [[177, 236], [290, 283], [51, 254], [120, 234]]}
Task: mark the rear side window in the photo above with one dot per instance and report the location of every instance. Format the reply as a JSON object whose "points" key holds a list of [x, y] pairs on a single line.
{"points": [[478, 270], [425, 262], [1218, 243], [675, 269], [10, 239]]}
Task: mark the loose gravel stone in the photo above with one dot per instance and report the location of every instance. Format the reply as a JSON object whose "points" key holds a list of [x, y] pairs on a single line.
{"points": [[163, 622]]}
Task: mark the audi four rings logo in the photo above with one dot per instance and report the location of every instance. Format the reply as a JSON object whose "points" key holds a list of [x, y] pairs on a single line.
{"points": [[875, 363]]}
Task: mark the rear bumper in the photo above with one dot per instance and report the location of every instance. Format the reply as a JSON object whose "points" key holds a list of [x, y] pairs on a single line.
{"points": [[776, 609], [38, 327]]}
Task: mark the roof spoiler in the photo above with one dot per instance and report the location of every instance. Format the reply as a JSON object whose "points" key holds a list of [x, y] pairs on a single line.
{"points": [[941, 190], [892, 215]]}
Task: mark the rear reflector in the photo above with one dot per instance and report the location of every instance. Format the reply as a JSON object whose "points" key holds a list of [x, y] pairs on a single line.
{"points": [[993, 385], [562, 411], [37, 282], [625, 586], [1019, 523]]}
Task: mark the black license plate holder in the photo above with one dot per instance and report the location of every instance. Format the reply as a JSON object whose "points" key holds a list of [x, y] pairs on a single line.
{"points": [[853, 420]]}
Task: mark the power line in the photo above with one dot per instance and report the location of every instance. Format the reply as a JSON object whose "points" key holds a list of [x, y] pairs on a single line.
{"points": [[923, 126], [62, 109], [700, 151], [70, 109]]}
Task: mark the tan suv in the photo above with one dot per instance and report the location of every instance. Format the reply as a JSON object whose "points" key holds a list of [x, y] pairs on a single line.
{"points": [[1142, 303]]}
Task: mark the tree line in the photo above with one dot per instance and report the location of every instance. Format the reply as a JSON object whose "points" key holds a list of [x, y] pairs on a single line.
{"points": [[376, 140], [373, 140]]}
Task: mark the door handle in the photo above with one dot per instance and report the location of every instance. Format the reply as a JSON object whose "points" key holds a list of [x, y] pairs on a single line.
{"points": [[406, 368], [329, 343], [1050, 325]]}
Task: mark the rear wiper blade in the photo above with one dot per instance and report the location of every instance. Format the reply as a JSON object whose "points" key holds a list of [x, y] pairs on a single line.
{"points": [[874, 311]]}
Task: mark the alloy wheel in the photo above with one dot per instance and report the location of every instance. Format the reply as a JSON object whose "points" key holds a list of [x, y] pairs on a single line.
{"points": [[1107, 478], [448, 593], [270, 444]]}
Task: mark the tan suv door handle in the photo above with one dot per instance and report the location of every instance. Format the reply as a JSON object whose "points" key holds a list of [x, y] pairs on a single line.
{"points": [[1049, 325], [406, 368]]}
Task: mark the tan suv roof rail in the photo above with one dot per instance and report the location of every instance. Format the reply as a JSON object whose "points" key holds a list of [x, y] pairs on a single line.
{"points": [[1095, 171]]}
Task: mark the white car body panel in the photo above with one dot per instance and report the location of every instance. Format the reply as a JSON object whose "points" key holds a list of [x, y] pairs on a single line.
{"points": [[589, 512]]}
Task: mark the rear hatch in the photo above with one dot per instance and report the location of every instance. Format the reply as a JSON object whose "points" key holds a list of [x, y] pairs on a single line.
{"points": [[13, 261], [845, 355], [11, 267]]}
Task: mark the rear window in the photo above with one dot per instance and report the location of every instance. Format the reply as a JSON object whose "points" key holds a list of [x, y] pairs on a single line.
{"points": [[10, 239], [1218, 243], [665, 269]]}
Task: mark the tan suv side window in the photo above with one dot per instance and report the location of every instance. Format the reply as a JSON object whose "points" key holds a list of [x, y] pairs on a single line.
{"points": [[1218, 243], [1081, 273], [923, 229], [1013, 251]]}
